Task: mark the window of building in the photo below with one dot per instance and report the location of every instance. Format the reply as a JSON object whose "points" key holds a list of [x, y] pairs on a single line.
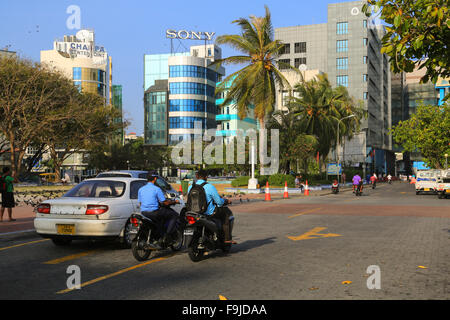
{"points": [[342, 63], [365, 95], [365, 24], [342, 46], [365, 77], [299, 61], [284, 64], [342, 81], [342, 28], [300, 47], [365, 41], [365, 59], [286, 49]]}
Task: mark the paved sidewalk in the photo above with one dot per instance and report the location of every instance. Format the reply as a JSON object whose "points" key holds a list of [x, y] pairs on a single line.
{"points": [[24, 216]]}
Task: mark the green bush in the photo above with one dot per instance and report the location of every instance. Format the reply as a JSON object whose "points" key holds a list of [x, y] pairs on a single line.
{"points": [[278, 180], [240, 181]]}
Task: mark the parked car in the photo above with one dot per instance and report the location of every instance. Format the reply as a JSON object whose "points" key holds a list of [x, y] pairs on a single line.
{"points": [[97, 208], [443, 184], [426, 181], [161, 182]]}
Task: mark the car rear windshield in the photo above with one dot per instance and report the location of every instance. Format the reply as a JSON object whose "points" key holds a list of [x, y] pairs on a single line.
{"points": [[112, 175], [98, 189]]}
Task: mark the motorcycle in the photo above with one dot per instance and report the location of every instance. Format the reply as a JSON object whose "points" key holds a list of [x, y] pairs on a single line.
{"points": [[204, 233], [147, 236], [335, 187], [359, 189]]}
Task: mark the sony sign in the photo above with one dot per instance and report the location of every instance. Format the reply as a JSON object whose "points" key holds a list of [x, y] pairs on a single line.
{"points": [[184, 34]]}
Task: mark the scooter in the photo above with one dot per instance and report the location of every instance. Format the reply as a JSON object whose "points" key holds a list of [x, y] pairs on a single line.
{"points": [[148, 236], [359, 189], [335, 187], [203, 233]]}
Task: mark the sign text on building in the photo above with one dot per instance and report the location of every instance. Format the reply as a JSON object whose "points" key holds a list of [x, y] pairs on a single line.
{"points": [[193, 35]]}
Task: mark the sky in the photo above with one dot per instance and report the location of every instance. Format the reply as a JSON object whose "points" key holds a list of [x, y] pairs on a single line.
{"points": [[129, 29]]}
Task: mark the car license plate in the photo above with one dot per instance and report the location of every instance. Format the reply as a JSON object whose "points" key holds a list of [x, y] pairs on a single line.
{"points": [[68, 229], [426, 189], [188, 232]]}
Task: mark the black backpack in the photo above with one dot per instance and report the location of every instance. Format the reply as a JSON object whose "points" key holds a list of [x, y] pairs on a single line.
{"points": [[197, 199]]}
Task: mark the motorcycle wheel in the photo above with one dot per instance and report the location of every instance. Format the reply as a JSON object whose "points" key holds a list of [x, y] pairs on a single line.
{"points": [[140, 253], [195, 254], [178, 244]]}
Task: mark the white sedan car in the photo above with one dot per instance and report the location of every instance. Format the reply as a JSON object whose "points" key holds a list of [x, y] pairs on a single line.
{"points": [[94, 209]]}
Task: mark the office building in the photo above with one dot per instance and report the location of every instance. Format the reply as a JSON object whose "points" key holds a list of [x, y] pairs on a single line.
{"points": [[228, 121], [184, 96], [347, 48], [79, 58]]}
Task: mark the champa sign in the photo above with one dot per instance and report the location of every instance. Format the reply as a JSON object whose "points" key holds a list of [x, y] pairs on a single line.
{"points": [[193, 35]]}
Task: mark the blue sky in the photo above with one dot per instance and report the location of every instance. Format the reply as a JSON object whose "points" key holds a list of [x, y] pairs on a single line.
{"points": [[130, 29]]}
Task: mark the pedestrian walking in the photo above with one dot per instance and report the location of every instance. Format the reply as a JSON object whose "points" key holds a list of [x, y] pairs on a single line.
{"points": [[7, 190]]}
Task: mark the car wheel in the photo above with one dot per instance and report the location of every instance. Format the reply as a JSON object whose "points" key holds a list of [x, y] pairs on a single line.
{"points": [[62, 241], [126, 240], [417, 192]]}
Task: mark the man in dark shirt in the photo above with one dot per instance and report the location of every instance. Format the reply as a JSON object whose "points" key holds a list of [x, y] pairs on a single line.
{"points": [[8, 194]]}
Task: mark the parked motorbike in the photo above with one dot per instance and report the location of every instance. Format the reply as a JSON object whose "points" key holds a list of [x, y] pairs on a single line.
{"points": [[204, 233], [335, 187], [148, 236], [359, 189]]}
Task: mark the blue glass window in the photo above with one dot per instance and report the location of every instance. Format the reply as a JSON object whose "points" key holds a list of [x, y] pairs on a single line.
{"points": [[190, 105], [191, 88], [342, 46], [342, 63], [76, 73], [193, 72], [185, 122], [342, 81], [342, 28]]}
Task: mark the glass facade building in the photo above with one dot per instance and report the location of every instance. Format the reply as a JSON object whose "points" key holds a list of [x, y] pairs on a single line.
{"points": [[90, 80], [155, 113], [189, 94]]}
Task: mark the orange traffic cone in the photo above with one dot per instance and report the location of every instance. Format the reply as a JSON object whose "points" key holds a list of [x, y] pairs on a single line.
{"points": [[286, 194], [306, 189], [267, 192]]}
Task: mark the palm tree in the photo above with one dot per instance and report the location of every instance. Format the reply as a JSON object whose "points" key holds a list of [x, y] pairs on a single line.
{"points": [[294, 145], [320, 107], [255, 83]]}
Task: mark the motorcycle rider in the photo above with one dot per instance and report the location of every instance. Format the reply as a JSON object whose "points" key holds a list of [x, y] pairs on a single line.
{"points": [[356, 179], [389, 178], [215, 204], [154, 204], [373, 179]]}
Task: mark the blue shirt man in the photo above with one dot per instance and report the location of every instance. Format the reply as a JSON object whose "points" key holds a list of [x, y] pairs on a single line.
{"points": [[150, 196], [212, 196]]}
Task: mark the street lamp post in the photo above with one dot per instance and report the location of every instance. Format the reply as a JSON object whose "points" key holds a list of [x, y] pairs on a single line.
{"points": [[338, 144]]}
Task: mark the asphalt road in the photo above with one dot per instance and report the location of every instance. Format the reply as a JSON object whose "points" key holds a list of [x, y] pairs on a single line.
{"points": [[300, 248]]}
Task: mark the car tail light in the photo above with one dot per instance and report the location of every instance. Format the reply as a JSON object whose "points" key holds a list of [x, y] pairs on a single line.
{"points": [[43, 208], [134, 222], [190, 220], [96, 209]]}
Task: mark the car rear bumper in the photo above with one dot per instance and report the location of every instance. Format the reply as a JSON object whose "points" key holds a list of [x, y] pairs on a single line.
{"points": [[82, 228]]}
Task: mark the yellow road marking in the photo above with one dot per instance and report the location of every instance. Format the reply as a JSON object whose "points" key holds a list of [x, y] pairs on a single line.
{"points": [[23, 244], [304, 212], [71, 257], [314, 234], [116, 273]]}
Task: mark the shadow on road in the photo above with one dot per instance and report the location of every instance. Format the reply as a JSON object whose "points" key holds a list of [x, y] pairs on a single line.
{"points": [[251, 244]]}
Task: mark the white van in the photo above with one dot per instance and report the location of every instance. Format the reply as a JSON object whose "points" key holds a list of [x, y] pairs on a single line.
{"points": [[427, 181]]}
